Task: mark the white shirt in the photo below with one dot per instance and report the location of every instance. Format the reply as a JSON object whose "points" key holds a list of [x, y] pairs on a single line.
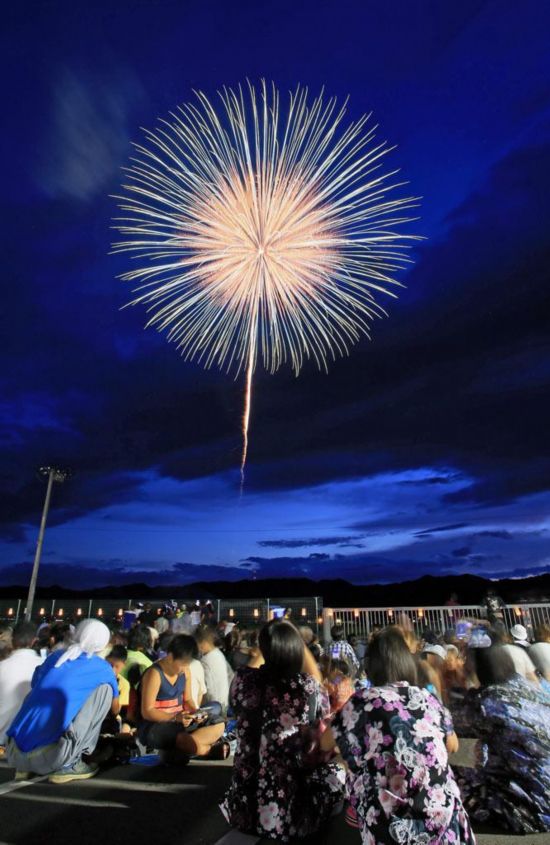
{"points": [[216, 676], [540, 655], [16, 673], [523, 664], [198, 684]]}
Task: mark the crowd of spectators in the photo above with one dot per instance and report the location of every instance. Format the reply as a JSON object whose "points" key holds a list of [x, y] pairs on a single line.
{"points": [[363, 725]]}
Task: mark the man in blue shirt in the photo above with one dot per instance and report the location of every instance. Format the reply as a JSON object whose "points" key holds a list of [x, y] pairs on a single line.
{"points": [[60, 719]]}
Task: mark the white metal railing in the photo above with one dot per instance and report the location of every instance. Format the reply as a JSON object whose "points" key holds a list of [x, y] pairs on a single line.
{"points": [[255, 611], [363, 620]]}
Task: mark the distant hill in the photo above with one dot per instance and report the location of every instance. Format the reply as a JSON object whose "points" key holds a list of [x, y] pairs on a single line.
{"points": [[428, 590]]}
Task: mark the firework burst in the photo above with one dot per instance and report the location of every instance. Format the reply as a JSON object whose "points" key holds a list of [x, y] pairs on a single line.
{"points": [[262, 237]]}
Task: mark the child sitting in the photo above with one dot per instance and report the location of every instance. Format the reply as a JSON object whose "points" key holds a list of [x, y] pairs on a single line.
{"points": [[337, 682]]}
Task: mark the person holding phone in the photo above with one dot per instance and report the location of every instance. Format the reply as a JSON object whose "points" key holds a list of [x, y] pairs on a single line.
{"points": [[169, 718]]}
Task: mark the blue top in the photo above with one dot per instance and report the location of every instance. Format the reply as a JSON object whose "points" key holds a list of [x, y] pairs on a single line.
{"points": [[55, 698]]}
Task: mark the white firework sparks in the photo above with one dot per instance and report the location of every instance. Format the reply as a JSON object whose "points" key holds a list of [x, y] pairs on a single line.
{"points": [[262, 237]]}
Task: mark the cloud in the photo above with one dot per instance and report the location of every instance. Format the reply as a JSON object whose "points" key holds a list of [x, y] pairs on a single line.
{"points": [[89, 135], [312, 541], [426, 532], [79, 576]]}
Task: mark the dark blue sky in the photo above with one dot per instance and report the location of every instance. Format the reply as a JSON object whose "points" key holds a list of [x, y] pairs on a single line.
{"points": [[425, 451]]}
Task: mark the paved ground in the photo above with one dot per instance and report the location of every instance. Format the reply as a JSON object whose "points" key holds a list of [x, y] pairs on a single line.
{"points": [[128, 805]]}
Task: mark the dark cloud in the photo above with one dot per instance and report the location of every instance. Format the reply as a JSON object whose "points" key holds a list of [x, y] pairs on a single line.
{"points": [[426, 532], [111, 573], [312, 541]]}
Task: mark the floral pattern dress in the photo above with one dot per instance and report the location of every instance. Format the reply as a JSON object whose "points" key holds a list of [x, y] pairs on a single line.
{"points": [[274, 792], [399, 781], [511, 784]]}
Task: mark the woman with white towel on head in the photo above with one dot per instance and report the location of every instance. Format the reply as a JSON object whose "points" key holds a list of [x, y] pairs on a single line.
{"points": [[60, 719]]}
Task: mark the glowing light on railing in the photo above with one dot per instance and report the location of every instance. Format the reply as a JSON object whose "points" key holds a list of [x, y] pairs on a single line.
{"points": [[60, 611], [231, 613], [420, 613], [390, 613], [338, 621], [120, 612], [256, 613], [10, 611], [41, 612], [79, 612], [304, 612], [330, 613], [356, 613], [517, 611], [100, 612], [320, 620]]}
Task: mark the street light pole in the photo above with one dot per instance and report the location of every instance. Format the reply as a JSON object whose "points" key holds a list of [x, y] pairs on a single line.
{"points": [[53, 474]]}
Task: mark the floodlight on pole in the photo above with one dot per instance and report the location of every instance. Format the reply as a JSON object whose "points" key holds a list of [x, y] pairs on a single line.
{"points": [[53, 474]]}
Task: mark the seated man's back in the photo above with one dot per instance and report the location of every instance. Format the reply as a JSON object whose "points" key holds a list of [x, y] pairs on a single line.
{"points": [[16, 673]]}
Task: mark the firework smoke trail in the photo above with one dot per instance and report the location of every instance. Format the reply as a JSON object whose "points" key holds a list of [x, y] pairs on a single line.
{"points": [[246, 412], [262, 237]]}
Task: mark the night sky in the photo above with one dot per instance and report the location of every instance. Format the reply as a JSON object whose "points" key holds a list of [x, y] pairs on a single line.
{"points": [[425, 451]]}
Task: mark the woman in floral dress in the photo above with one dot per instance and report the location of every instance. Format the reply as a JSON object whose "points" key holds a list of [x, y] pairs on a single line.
{"points": [[276, 792], [392, 736], [510, 716]]}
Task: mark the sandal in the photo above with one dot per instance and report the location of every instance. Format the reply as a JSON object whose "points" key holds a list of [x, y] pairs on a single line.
{"points": [[351, 818], [219, 751]]}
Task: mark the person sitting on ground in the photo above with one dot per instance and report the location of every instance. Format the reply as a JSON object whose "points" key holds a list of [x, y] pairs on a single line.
{"points": [[434, 655], [6, 644], [137, 661], [275, 792], [337, 682], [523, 664], [358, 646], [235, 655], [540, 651], [60, 719], [392, 737], [61, 634], [255, 656], [169, 721], [148, 616], [217, 672], [452, 673], [16, 673], [340, 649], [510, 717], [117, 658], [162, 623], [519, 636], [311, 641]]}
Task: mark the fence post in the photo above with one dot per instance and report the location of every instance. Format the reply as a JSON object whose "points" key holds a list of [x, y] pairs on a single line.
{"points": [[52, 611], [317, 614], [218, 612], [326, 625], [17, 611], [268, 608], [90, 609]]}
